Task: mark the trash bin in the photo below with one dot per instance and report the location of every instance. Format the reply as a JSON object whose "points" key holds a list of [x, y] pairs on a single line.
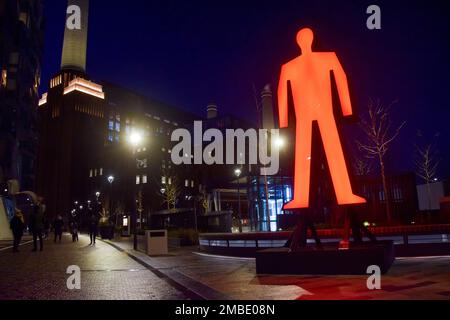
{"points": [[157, 242]]}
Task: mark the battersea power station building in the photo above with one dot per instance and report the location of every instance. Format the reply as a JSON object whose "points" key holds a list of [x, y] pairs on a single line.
{"points": [[86, 156]]}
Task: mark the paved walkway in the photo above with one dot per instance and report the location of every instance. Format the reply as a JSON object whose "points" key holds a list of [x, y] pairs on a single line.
{"points": [[410, 278], [106, 273], [110, 271]]}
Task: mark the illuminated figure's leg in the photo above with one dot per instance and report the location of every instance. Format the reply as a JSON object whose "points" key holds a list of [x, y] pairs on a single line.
{"points": [[336, 162], [302, 165]]}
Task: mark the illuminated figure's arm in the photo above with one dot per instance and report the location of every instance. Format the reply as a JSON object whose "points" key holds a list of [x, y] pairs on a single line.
{"points": [[342, 86], [283, 99]]}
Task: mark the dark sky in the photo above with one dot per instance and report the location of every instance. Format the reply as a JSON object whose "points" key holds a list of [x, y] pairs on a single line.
{"points": [[190, 53]]}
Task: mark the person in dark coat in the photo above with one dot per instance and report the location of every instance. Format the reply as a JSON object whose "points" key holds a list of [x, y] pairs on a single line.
{"points": [[17, 225], [37, 224], [58, 225], [74, 231], [93, 229]]}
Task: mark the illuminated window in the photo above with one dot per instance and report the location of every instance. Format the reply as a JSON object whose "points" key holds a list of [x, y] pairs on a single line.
{"points": [[192, 183], [4, 78], [186, 183], [163, 180], [138, 179], [23, 17], [118, 126], [95, 172], [101, 171], [111, 125], [91, 173], [170, 181], [144, 179]]}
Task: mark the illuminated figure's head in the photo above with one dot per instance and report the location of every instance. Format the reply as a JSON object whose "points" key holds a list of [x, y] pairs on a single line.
{"points": [[305, 39]]}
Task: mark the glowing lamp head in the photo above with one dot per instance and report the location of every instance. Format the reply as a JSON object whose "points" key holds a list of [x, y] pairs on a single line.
{"points": [[135, 138], [280, 142], [111, 179], [305, 39], [238, 172]]}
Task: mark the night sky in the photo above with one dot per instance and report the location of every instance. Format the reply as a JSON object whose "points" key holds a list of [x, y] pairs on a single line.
{"points": [[191, 53]]}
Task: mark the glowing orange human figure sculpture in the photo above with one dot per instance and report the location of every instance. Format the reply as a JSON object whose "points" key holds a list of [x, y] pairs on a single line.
{"points": [[310, 79]]}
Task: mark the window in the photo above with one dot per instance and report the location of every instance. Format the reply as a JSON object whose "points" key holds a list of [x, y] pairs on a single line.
{"points": [[95, 172], [101, 171], [192, 184], [138, 179], [24, 18], [111, 125], [170, 181], [163, 180], [118, 126], [186, 183], [91, 173], [144, 179], [4, 78]]}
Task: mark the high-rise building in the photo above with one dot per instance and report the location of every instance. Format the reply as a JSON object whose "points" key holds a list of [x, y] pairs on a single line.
{"points": [[21, 45]]}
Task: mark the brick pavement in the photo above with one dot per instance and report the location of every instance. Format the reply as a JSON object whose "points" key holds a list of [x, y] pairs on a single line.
{"points": [[409, 278], [106, 274]]}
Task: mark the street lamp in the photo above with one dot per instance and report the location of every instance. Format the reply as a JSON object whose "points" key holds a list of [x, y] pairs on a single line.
{"points": [[238, 173], [111, 180], [135, 139], [280, 142]]}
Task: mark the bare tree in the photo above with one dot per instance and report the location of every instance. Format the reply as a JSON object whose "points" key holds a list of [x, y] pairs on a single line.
{"points": [[362, 167], [379, 135], [427, 163], [170, 190]]}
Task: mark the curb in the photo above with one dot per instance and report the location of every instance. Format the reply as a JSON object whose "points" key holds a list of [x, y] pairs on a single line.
{"points": [[195, 289]]}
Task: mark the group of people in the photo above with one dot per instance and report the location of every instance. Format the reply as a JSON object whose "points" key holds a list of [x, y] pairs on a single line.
{"points": [[39, 227]]}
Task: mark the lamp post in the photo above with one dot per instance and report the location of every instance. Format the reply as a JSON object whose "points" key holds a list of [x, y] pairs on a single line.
{"points": [[238, 173], [111, 181], [135, 139]]}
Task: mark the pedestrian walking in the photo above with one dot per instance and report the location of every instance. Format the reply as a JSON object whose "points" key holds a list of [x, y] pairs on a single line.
{"points": [[93, 229], [37, 224], [58, 225], [17, 225], [74, 231]]}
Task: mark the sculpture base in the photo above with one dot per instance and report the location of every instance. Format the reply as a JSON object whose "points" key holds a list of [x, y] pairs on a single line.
{"points": [[326, 261]]}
